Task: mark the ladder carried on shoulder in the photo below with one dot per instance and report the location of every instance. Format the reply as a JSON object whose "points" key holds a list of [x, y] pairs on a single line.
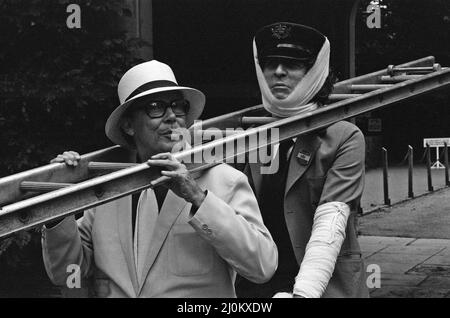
{"points": [[47, 193]]}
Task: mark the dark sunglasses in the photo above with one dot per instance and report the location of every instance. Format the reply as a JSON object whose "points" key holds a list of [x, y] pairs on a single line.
{"points": [[157, 109], [273, 63]]}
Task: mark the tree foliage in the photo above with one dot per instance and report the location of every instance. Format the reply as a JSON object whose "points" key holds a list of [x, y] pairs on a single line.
{"points": [[57, 85], [410, 29]]}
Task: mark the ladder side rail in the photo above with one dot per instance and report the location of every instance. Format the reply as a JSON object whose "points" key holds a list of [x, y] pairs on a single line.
{"points": [[127, 183], [10, 186], [230, 120], [412, 91], [343, 87], [10, 190]]}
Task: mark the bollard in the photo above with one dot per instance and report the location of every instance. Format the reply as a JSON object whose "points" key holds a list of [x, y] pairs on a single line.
{"points": [[429, 178], [447, 182], [384, 159], [410, 172]]}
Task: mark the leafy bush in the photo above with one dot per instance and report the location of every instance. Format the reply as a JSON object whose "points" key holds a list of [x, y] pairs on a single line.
{"points": [[410, 29], [58, 85]]}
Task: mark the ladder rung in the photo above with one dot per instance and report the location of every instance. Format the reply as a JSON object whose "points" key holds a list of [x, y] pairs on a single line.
{"points": [[418, 69], [247, 121], [42, 186], [368, 87], [398, 78], [201, 133], [337, 97], [100, 166], [414, 69]]}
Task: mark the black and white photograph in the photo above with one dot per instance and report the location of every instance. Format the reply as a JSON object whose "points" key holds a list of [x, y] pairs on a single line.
{"points": [[245, 151]]}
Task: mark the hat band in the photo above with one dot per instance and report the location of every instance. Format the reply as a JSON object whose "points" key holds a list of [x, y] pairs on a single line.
{"points": [[293, 46], [149, 86]]}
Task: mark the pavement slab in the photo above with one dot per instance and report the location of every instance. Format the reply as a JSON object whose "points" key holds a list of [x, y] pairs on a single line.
{"points": [[402, 280], [410, 267], [410, 241], [382, 257], [443, 259], [413, 250], [392, 267], [410, 292], [384, 240], [445, 251], [427, 217], [430, 243], [431, 270], [373, 196], [436, 282], [370, 249]]}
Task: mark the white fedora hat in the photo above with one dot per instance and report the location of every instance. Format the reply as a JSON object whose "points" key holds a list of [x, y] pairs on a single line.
{"points": [[145, 79]]}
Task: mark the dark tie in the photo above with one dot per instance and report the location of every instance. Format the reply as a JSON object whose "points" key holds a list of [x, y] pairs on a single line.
{"points": [[285, 145], [160, 193], [273, 184], [277, 179], [134, 203], [272, 210]]}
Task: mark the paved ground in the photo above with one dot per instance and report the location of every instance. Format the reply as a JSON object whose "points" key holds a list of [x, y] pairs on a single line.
{"points": [[414, 266], [398, 185], [411, 242], [424, 217], [409, 267]]}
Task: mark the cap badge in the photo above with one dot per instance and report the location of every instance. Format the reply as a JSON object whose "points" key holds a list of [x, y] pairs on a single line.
{"points": [[281, 31]]}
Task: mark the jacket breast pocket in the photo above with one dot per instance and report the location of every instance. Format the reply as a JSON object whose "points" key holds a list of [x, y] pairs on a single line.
{"points": [[315, 186], [189, 254]]}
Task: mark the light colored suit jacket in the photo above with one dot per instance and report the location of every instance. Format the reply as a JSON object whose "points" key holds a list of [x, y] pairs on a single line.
{"points": [[185, 256], [324, 167]]}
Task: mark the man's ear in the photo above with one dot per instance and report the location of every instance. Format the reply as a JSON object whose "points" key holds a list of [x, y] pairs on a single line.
{"points": [[126, 126]]}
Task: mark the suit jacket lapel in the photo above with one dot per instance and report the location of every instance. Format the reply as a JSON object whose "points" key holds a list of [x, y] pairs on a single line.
{"points": [[170, 210], [305, 147], [124, 228]]}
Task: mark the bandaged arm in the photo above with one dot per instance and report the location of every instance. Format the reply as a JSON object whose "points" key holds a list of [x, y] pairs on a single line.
{"points": [[322, 250]]}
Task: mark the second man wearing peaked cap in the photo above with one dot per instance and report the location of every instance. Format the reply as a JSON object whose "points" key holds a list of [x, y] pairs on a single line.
{"points": [[310, 204]]}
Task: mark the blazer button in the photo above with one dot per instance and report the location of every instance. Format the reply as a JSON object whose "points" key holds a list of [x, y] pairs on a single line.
{"points": [[208, 231], [204, 227], [289, 212]]}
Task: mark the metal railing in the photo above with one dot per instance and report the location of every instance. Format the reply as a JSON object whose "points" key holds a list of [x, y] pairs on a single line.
{"points": [[409, 158]]}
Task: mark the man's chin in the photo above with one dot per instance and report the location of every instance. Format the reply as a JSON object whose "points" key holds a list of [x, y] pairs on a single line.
{"points": [[278, 94], [173, 146]]}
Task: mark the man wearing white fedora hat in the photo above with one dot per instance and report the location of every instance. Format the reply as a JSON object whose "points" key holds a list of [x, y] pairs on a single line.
{"points": [[187, 239]]}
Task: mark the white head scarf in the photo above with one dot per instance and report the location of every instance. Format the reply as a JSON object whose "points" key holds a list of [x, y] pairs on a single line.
{"points": [[298, 101]]}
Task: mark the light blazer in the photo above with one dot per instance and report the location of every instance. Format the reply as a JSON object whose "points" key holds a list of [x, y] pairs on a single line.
{"points": [[324, 167], [186, 256]]}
